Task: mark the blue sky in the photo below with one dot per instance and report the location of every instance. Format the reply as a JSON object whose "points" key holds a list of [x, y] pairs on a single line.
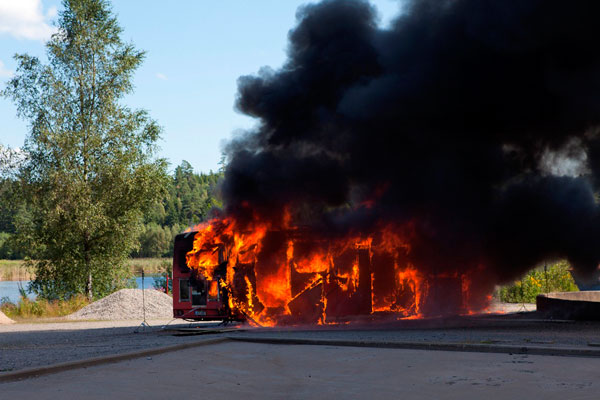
{"points": [[196, 50]]}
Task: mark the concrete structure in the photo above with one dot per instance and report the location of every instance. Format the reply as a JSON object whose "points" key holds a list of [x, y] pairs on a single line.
{"points": [[584, 305]]}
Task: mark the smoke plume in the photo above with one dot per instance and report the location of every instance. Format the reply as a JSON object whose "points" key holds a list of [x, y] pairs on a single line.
{"points": [[474, 122]]}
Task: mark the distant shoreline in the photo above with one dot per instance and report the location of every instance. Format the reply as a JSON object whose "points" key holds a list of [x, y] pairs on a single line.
{"points": [[15, 270]]}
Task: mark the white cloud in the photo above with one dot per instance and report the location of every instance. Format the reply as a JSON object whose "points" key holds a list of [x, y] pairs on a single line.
{"points": [[5, 73], [25, 19], [161, 76]]}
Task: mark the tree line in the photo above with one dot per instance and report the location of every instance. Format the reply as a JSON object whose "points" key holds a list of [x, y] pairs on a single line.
{"points": [[187, 200]]}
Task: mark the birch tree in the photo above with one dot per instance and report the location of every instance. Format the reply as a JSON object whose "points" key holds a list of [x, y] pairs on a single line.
{"points": [[91, 170]]}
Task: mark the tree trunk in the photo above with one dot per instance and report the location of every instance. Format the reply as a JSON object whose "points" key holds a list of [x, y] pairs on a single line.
{"points": [[90, 294], [88, 267]]}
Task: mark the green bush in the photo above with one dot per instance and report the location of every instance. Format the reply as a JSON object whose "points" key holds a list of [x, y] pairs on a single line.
{"points": [[41, 308], [9, 249], [556, 278], [156, 241]]}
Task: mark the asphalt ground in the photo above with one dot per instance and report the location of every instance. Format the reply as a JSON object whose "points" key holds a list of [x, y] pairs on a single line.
{"points": [[265, 371], [512, 330], [26, 347]]}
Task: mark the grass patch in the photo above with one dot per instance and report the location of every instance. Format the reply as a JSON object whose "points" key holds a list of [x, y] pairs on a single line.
{"points": [[34, 309], [149, 265], [15, 270]]}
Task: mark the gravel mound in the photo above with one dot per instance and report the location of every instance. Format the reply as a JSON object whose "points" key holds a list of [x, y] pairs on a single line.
{"points": [[5, 320], [127, 304]]}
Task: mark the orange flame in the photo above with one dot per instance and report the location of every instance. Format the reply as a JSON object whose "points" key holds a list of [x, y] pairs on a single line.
{"points": [[213, 290], [280, 274]]}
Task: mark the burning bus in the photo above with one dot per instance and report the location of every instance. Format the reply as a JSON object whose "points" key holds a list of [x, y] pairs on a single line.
{"points": [[288, 276], [196, 297]]}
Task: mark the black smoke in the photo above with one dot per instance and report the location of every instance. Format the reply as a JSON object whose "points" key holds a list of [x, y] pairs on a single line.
{"points": [[445, 120]]}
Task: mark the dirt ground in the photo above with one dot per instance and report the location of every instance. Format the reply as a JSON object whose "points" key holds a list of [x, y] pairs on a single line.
{"points": [[260, 371]]}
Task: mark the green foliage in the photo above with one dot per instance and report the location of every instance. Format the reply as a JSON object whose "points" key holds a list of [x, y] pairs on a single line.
{"points": [[190, 198], [9, 249], [9, 203], [12, 209], [156, 241], [90, 173], [557, 278]]}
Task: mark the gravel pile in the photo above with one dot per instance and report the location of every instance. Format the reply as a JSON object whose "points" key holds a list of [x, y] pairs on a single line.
{"points": [[127, 304], [5, 320]]}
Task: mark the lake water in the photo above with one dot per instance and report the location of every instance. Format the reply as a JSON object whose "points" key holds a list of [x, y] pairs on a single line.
{"points": [[10, 289]]}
